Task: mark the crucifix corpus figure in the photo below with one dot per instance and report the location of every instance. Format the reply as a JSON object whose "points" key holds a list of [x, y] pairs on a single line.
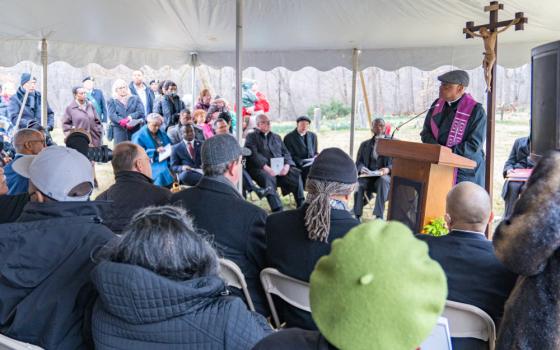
{"points": [[489, 38]]}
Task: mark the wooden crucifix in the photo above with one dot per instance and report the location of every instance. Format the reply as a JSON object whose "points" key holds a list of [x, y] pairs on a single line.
{"points": [[489, 33]]}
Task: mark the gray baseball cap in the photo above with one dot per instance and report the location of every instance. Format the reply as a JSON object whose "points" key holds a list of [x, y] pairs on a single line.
{"points": [[221, 149], [455, 77], [55, 171]]}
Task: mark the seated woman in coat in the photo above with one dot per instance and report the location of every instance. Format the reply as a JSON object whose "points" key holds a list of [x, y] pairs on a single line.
{"points": [[154, 141], [159, 288]]}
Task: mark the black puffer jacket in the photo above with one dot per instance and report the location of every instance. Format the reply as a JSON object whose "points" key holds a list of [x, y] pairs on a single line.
{"points": [[138, 309]]}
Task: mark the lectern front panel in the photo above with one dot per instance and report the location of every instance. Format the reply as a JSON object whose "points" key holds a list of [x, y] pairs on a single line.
{"points": [[406, 198]]}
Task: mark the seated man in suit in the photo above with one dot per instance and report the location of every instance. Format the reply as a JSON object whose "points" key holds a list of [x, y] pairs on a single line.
{"points": [[474, 274], [302, 145], [175, 133], [519, 158], [374, 172], [185, 158], [266, 145]]}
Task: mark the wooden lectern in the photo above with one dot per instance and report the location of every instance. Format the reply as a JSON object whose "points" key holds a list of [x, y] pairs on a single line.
{"points": [[421, 177]]}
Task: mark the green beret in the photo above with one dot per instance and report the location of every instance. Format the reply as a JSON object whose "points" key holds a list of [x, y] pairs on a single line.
{"points": [[377, 289]]}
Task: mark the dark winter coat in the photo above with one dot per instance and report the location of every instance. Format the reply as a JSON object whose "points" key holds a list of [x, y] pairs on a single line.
{"points": [[264, 147], [11, 207], [294, 338], [131, 192], [169, 109], [527, 243], [139, 309], [45, 260], [117, 111], [31, 111], [237, 228], [290, 251], [301, 147], [474, 276]]}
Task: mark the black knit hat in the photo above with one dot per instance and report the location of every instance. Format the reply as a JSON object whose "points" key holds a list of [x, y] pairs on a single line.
{"points": [[303, 118], [332, 164]]}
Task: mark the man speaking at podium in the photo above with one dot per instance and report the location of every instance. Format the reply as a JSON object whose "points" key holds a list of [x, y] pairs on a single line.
{"points": [[457, 121]]}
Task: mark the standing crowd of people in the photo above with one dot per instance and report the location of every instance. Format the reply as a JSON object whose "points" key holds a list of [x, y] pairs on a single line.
{"points": [[139, 265]]}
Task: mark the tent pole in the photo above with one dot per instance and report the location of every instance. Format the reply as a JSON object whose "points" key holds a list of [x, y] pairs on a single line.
{"points": [[355, 53], [194, 63], [238, 76], [45, 63]]}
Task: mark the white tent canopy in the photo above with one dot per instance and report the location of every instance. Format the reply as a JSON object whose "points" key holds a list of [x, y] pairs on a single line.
{"points": [[289, 33]]}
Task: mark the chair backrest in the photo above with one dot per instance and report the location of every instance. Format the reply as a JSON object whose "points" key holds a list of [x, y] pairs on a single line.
{"points": [[291, 290], [232, 275], [440, 338], [468, 321], [7, 343]]}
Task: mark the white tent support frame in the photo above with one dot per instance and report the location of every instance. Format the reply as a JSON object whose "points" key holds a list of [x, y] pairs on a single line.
{"points": [[44, 89], [194, 64], [355, 58], [238, 79]]}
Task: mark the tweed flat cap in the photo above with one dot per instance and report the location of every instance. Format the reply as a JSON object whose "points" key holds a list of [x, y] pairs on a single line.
{"points": [[455, 77]]}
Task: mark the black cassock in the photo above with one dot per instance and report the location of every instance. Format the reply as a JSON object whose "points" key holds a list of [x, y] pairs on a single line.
{"points": [[473, 141], [263, 148], [301, 147]]}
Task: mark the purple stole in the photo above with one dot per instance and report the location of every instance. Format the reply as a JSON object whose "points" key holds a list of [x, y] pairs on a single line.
{"points": [[457, 131]]}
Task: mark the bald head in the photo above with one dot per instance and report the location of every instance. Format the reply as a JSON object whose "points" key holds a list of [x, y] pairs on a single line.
{"points": [[28, 141], [468, 207]]}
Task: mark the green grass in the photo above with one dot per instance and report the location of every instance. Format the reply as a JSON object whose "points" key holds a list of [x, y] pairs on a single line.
{"points": [[336, 133]]}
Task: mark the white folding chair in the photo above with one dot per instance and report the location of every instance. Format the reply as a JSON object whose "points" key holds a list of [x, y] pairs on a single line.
{"points": [[468, 321], [7, 343], [291, 290], [440, 338], [232, 275]]}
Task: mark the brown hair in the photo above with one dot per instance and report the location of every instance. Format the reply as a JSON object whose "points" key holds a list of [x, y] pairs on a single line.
{"points": [[198, 113], [203, 93], [124, 155]]}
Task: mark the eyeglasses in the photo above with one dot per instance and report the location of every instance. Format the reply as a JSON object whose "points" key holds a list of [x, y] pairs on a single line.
{"points": [[267, 122], [43, 141]]}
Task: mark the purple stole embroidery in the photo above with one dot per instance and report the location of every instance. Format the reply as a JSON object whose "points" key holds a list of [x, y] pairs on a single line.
{"points": [[457, 131]]}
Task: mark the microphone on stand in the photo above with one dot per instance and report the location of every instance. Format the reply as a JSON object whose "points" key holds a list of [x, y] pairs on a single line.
{"points": [[409, 120]]}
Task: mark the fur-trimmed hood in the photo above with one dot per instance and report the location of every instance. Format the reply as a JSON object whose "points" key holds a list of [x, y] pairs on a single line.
{"points": [[527, 244]]}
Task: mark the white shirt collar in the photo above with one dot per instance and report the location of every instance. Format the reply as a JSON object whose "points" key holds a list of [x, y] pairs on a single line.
{"points": [[451, 102]]}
